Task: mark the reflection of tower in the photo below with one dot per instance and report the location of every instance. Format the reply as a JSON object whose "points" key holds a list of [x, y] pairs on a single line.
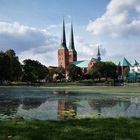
{"points": [[66, 110], [99, 104], [61, 108], [126, 105], [63, 53], [94, 105]]}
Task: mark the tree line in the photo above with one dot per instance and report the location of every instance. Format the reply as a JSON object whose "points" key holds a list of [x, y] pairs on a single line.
{"points": [[33, 71], [12, 70], [106, 70]]}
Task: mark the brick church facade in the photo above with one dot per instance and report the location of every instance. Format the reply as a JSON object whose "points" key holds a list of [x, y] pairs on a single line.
{"points": [[68, 55]]}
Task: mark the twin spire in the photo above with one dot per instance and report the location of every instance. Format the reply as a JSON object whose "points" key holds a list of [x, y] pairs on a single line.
{"points": [[63, 40], [99, 55]]}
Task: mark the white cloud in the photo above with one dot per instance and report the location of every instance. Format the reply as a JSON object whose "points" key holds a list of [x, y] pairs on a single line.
{"points": [[39, 44], [47, 58], [87, 50], [120, 19], [29, 42]]}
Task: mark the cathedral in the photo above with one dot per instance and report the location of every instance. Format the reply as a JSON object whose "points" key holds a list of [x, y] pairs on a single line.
{"points": [[68, 56]]}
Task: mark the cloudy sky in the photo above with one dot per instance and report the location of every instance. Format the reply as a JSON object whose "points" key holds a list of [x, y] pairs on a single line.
{"points": [[33, 28]]}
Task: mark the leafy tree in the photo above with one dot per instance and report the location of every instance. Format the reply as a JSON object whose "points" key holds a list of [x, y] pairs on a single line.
{"points": [[4, 67], [126, 71], [103, 69], [60, 71], [74, 72], [10, 53], [15, 66], [97, 70], [86, 76], [110, 70], [34, 71]]}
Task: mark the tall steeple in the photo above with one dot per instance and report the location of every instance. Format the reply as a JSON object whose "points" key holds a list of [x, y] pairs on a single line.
{"points": [[71, 44], [136, 63], [99, 54], [63, 39], [72, 51], [63, 53]]}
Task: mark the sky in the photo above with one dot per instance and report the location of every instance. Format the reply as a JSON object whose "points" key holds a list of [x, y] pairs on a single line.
{"points": [[33, 28]]}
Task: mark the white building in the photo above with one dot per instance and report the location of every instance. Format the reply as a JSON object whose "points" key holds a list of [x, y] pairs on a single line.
{"points": [[135, 68]]}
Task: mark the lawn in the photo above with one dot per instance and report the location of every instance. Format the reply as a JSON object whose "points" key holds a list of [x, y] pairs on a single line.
{"points": [[83, 129], [120, 90], [129, 90]]}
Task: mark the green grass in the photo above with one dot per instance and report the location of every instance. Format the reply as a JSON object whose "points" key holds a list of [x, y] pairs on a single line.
{"points": [[84, 129], [120, 90], [132, 90]]}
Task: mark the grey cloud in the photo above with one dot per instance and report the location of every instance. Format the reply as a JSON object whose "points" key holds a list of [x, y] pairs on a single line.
{"points": [[28, 42]]}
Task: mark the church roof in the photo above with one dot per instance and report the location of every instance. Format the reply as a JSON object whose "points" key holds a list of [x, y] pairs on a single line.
{"points": [[136, 63], [118, 62], [125, 62], [82, 63]]}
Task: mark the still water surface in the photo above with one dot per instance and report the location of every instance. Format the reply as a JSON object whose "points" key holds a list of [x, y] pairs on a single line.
{"points": [[38, 103]]}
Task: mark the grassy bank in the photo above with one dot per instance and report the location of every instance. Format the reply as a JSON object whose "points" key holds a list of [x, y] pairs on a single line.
{"points": [[120, 90], [84, 129], [129, 90]]}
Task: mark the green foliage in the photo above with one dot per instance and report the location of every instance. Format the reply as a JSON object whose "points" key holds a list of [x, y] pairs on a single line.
{"points": [[15, 66], [10, 68], [74, 72], [103, 69], [126, 71], [4, 67], [60, 71], [34, 71], [82, 129]]}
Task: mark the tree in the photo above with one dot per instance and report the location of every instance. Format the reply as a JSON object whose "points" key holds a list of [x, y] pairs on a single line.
{"points": [[74, 72], [97, 70], [126, 71], [34, 71], [110, 70], [15, 66], [103, 69], [60, 71], [4, 67]]}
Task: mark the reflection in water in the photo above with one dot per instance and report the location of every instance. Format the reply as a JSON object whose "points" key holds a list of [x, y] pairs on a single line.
{"points": [[66, 109], [58, 106], [46, 111], [99, 104]]}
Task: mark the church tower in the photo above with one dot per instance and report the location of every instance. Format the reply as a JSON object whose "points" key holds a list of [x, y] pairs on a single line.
{"points": [[63, 53], [99, 55], [72, 51]]}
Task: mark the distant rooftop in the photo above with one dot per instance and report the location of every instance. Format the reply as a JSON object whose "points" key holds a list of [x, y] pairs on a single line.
{"points": [[117, 61], [83, 63]]}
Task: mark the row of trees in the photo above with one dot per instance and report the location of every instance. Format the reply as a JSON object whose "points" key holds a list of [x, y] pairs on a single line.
{"points": [[99, 70], [10, 67], [12, 70], [103, 70], [34, 71]]}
